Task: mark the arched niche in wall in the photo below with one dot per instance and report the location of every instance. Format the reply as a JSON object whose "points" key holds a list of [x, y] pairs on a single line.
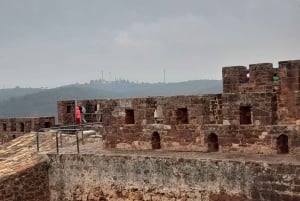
{"points": [[155, 140], [212, 143], [282, 144]]}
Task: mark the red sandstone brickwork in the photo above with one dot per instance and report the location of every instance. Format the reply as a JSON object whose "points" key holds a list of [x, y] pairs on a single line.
{"points": [[32, 184], [66, 112], [262, 108], [244, 118], [11, 128], [260, 80], [289, 72]]}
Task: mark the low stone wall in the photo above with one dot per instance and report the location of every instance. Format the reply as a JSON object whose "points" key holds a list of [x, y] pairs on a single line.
{"points": [[130, 177], [10, 128], [32, 184], [257, 139]]}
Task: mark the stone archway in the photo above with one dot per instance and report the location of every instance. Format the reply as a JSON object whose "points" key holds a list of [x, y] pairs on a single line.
{"points": [[282, 144], [155, 140], [213, 143]]}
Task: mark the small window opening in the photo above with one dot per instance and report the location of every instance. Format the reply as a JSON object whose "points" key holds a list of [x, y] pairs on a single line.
{"points": [[245, 115], [4, 127], [14, 136], [182, 116], [155, 140], [69, 109], [213, 143], [129, 116], [22, 127], [282, 144], [47, 124], [14, 127]]}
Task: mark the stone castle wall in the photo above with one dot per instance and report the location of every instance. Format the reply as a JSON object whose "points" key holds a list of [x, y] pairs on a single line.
{"points": [[185, 123], [66, 112], [11, 128], [31, 184], [289, 102], [253, 101], [139, 177], [259, 79], [263, 107], [242, 139], [254, 115], [200, 109]]}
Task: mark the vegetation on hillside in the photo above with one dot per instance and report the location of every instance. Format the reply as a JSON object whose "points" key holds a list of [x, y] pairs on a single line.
{"points": [[6, 94]]}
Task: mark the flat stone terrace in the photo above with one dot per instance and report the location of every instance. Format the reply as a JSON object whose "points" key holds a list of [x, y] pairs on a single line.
{"points": [[93, 149], [21, 153]]}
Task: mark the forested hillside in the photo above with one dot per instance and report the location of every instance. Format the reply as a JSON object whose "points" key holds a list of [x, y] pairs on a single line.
{"points": [[6, 94]]}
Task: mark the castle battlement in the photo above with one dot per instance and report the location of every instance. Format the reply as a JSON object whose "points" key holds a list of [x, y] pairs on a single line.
{"points": [[254, 123], [255, 113], [11, 128], [259, 77]]}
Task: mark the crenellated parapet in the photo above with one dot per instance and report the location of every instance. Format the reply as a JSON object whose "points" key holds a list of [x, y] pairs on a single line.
{"points": [[258, 111], [11, 128], [289, 101], [260, 77], [233, 77]]}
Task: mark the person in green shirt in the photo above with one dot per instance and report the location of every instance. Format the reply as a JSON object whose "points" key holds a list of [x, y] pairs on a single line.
{"points": [[275, 78]]}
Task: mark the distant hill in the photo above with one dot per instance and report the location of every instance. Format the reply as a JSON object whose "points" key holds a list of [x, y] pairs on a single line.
{"points": [[6, 94], [44, 101], [130, 89]]}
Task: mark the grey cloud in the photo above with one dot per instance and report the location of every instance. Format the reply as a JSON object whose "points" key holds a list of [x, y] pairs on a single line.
{"points": [[192, 39]]}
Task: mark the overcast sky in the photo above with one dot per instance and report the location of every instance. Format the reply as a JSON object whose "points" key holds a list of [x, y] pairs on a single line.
{"points": [[49, 43]]}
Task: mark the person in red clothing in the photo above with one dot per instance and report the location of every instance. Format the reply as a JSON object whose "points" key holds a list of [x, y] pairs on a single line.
{"points": [[77, 115], [82, 112]]}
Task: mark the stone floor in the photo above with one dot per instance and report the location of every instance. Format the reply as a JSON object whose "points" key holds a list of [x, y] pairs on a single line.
{"points": [[94, 148], [21, 153]]}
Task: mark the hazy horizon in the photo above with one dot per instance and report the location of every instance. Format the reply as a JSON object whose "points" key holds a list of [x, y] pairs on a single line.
{"points": [[60, 42], [106, 82]]}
